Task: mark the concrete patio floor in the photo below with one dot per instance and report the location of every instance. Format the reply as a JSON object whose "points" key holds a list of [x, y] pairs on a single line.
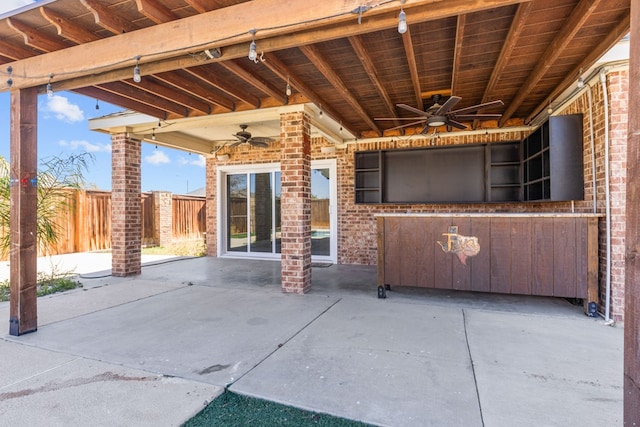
{"points": [[156, 348]]}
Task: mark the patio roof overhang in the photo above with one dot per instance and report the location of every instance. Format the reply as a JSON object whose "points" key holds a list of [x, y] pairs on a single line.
{"points": [[347, 58]]}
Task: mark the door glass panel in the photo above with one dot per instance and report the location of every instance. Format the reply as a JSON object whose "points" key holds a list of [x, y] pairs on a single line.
{"points": [[278, 221], [261, 213], [320, 218], [237, 213]]}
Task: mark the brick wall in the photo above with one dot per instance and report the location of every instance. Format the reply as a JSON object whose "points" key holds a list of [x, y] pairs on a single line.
{"points": [[357, 239], [126, 212], [163, 217]]}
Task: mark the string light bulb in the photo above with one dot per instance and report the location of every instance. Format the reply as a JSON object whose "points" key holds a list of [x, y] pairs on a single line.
{"points": [[253, 53], [153, 135], [97, 105], [288, 89], [49, 87], [136, 71], [402, 20]]}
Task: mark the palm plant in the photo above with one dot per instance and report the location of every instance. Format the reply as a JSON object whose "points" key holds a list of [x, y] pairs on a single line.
{"points": [[56, 176]]}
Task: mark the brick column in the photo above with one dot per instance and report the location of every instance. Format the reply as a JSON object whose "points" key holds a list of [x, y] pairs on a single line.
{"points": [[296, 202], [126, 209], [212, 207], [162, 217]]}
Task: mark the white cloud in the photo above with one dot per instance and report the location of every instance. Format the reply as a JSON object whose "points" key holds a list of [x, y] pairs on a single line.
{"points": [[85, 146], [63, 109], [157, 158], [199, 161], [9, 5]]}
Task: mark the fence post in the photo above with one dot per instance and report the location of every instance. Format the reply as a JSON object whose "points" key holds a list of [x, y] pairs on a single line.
{"points": [[163, 217]]}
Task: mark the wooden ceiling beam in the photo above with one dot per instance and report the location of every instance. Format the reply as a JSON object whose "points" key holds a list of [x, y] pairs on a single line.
{"points": [[365, 59], [15, 52], [457, 52], [195, 88], [508, 47], [108, 19], [314, 55], [129, 89], [570, 28], [127, 103], [35, 38], [151, 85], [515, 30], [209, 77], [201, 6], [300, 25], [413, 67], [66, 28], [254, 80], [281, 70], [155, 11], [621, 30]]}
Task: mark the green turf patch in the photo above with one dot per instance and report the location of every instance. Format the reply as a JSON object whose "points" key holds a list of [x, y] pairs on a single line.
{"points": [[234, 410]]}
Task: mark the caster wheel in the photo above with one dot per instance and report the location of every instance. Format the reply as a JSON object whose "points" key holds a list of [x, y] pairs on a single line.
{"points": [[382, 293]]}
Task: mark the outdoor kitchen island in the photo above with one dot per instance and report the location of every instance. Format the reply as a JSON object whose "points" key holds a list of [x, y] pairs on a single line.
{"points": [[545, 254]]}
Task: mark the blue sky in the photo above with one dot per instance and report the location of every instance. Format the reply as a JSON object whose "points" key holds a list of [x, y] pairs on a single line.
{"points": [[63, 129]]}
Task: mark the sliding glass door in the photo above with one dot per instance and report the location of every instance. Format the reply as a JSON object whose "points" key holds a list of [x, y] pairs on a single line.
{"points": [[252, 212]]}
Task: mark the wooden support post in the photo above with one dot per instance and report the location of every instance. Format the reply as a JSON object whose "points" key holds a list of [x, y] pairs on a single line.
{"points": [[23, 312], [632, 236]]}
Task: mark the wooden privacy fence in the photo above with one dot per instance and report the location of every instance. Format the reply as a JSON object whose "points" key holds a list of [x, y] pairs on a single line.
{"points": [[85, 224]]}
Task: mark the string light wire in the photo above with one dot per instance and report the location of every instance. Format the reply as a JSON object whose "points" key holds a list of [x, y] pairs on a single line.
{"points": [[127, 61]]}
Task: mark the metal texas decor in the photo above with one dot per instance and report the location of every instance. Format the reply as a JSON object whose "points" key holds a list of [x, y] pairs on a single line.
{"points": [[459, 245]]}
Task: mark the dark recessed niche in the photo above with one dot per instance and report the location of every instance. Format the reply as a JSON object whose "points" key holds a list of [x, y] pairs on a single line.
{"points": [[545, 166]]}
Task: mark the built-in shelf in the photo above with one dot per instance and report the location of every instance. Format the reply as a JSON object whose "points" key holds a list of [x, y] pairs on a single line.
{"points": [[546, 166]]}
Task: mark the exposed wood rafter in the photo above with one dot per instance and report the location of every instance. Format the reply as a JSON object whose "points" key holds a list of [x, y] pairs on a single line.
{"points": [[108, 19], [280, 69], [155, 11], [367, 63], [254, 81], [574, 23], [35, 38], [66, 28], [313, 54], [622, 29], [198, 88], [413, 67], [457, 52], [210, 77]]}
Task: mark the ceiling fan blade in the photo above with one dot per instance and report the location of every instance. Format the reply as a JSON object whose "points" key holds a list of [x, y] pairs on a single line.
{"points": [[235, 144], [261, 140], [406, 125], [412, 109], [400, 118], [444, 109], [455, 124], [478, 107], [476, 116], [257, 142]]}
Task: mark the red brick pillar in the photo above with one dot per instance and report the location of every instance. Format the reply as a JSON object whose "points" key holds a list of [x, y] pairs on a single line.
{"points": [[126, 209], [296, 202], [212, 206], [162, 217]]}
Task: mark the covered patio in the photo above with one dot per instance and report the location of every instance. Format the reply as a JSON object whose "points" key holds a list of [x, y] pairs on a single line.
{"points": [[323, 84], [153, 349]]}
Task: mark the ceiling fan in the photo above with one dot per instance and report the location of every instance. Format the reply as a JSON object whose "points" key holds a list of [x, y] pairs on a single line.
{"points": [[243, 136], [441, 115]]}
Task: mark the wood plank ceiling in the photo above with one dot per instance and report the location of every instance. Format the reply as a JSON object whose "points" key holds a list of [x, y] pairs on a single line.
{"points": [[352, 62]]}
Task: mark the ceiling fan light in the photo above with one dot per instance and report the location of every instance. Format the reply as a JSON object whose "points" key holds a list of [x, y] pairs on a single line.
{"points": [[436, 121], [402, 22]]}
